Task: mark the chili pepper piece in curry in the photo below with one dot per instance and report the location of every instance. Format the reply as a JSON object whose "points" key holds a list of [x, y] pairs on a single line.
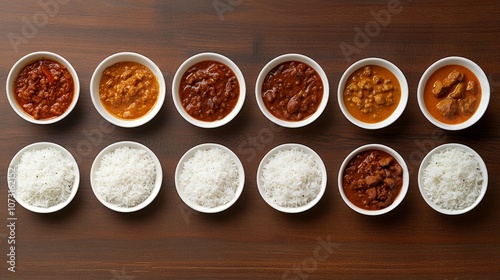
{"points": [[44, 89]]}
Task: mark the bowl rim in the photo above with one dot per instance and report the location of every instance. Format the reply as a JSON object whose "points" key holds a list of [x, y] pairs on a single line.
{"points": [[205, 56], [404, 188], [158, 180], [25, 61], [480, 75], [12, 177], [305, 149], [187, 155], [403, 83], [425, 162], [286, 58], [124, 57]]}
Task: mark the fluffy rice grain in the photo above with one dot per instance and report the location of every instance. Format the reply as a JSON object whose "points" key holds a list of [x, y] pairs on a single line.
{"points": [[125, 177], [291, 178], [45, 177], [210, 178], [452, 179]]}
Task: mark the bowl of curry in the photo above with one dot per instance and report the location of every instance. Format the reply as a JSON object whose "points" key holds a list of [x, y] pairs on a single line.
{"points": [[208, 90], [372, 93], [127, 89], [373, 179], [453, 93], [42, 87], [292, 90]]}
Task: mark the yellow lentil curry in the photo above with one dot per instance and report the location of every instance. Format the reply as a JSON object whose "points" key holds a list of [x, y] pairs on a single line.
{"points": [[372, 94]]}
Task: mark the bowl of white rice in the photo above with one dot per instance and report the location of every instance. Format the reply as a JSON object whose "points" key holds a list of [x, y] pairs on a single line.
{"points": [[126, 176], [291, 178], [452, 179], [43, 177], [209, 178]]}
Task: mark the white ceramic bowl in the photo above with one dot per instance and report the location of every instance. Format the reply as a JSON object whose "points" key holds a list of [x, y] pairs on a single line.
{"points": [[282, 59], [402, 83], [154, 192], [188, 155], [188, 64], [269, 200], [25, 61], [124, 57], [404, 188], [12, 176], [483, 81], [425, 162]]}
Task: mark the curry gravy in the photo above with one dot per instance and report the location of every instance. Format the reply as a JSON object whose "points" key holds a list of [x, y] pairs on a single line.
{"points": [[431, 100], [371, 94]]}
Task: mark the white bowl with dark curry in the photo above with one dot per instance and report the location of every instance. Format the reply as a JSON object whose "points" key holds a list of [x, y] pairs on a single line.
{"points": [[292, 90], [208, 90], [42, 87], [373, 179], [372, 93], [453, 93], [127, 89]]}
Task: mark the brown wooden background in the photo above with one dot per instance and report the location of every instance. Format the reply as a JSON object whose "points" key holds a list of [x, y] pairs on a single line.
{"points": [[251, 240]]}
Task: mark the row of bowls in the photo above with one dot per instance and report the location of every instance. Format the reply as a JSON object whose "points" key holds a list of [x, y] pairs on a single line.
{"points": [[159, 177], [134, 57]]}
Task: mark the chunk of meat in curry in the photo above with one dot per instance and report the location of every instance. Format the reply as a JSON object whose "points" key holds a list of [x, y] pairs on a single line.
{"points": [[441, 87], [460, 96], [448, 107]]}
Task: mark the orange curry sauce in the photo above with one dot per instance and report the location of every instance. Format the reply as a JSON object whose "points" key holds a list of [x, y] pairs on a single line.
{"points": [[431, 101]]}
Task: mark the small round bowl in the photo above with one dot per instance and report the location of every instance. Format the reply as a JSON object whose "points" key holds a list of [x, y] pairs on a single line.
{"points": [[282, 59], [306, 150], [483, 81], [12, 176], [154, 192], [425, 162], [25, 61], [402, 83], [124, 57], [189, 154], [188, 64], [404, 188]]}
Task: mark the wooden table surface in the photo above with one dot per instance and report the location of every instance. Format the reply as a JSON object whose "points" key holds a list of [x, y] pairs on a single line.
{"points": [[251, 240]]}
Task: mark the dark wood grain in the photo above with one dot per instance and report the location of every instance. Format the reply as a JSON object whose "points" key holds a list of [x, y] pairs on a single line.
{"points": [[251, 240]]}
